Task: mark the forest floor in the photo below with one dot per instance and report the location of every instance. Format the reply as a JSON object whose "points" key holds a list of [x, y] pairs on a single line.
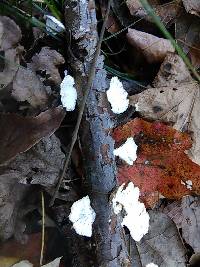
{"points": [[100, 133]]}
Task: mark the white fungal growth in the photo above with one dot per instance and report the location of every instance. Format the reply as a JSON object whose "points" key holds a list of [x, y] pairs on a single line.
{"points": [[135, 216], [117, 96], [53, 25], [82, 216], [151, 265], [68, 93], [128, 151], [187, 183]]}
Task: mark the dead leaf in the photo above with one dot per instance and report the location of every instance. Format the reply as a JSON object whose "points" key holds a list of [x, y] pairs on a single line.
{"points": [[167, 12], [162, 245], [191, 221], [162, 164], [19, 134], [28, 87], [176, 102], [48, 60], [11, 33], [154, 48], [29, 251], [173, 71], [11, 65], [11, 195], [186, 213], [192, 6], [41, 164], [188, 37]]}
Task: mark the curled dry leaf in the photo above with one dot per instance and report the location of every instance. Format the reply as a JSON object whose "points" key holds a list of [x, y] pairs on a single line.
{"points": [[156, 246], [176, 100], [47, 60], [153, 47], [28, 87], [191, 221], [18, 133], [187, 35], [172, 71], [192, 6], [39, 165], [10, 35], [162, 164], [167, 12], [185, 213], [11, 195]]}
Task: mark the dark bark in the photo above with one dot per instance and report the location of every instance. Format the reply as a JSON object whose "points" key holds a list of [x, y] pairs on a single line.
{"points": [[109, 242]]}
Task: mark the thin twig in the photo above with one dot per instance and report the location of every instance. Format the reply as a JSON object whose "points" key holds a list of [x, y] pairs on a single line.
{"points": [[43, 231], [83, 103]]}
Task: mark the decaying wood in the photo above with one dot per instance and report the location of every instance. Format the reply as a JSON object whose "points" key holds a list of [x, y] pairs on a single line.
{"points": [[96, 142]]}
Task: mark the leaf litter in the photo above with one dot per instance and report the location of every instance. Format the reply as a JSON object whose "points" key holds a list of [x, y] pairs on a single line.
{"points": [[156, 147]]}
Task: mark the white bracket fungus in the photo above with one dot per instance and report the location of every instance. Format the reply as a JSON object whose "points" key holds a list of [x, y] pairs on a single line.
{"points": [[68, 93], [128, 151], [136, 218], [82, 216], [117, 96]]}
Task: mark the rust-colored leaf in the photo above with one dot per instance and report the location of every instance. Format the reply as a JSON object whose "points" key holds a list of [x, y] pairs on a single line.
{"points": [[162, 164]]}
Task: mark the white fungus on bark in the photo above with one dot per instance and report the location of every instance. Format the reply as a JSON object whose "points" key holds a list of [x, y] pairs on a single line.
{"points": [[127, 151], [82, 216], [133, 212], [117, 96], [151, 265], [53, 25], [68, 93]]}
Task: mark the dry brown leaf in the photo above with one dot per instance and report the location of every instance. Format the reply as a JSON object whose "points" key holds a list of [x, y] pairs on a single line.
{"points": [[167, 12], [19, 133], [178, 102], [186, 214], [153, 47], [11, 33], [191, 221], [28, 87], [40, 164], [187, 35], [173, 71], [162, 245], [11, 65], [47, 60], [192, 6], [11, 195], [29, 251]]}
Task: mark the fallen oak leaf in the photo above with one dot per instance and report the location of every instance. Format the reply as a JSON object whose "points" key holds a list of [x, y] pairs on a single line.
{"points": [[154, 48], [178, 103], [162, 164], [19, 133]]}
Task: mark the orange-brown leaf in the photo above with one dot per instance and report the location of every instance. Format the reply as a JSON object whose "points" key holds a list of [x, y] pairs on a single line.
{"points": [[162, 164]]}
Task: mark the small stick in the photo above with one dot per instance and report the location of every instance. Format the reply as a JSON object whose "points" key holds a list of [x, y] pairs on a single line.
{"points": [[82, 106], [43, 230]]}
